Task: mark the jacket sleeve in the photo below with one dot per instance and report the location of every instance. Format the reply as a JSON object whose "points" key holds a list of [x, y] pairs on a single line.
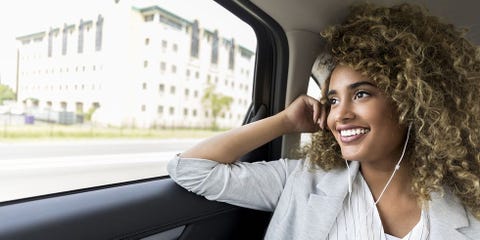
{"points": [[255, 185]]}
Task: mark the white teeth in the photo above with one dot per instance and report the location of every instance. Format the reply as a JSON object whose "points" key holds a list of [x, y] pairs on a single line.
{"points": [[352, 132]]}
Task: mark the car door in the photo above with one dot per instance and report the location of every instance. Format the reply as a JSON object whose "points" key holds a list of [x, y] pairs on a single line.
{"points": [[155, 207]]}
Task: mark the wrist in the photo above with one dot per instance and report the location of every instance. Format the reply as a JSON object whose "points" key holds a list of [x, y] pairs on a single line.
{"points": [[283, 123]]}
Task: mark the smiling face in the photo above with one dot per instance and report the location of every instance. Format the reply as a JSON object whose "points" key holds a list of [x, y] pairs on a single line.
{"points": [[362, 118]]}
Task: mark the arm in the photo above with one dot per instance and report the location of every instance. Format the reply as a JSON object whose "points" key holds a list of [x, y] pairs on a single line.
{"points": [[305, 114]]}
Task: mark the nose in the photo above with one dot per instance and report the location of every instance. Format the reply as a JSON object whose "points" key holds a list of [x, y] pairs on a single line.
{"points": [[343, 112]]}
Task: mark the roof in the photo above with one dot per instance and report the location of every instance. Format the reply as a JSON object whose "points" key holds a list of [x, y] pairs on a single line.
{"points": [[184, 21], [31, 36]]}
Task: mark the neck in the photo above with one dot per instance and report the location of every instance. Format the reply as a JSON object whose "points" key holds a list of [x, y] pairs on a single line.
{"points": [[377, 177]]}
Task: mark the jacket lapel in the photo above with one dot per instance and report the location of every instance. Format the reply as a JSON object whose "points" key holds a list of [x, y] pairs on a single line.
{"points": [[323, 208], [447, 216]]}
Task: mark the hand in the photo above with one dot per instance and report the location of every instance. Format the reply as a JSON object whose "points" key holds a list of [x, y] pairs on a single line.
{"points": [[305, 114]]}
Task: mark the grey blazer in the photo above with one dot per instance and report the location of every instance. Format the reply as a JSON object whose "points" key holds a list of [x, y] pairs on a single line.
{"points": [[305, 203]]}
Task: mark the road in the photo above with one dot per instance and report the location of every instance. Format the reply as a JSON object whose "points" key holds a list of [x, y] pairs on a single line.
{"points": [[43, 149], [37, 168]]}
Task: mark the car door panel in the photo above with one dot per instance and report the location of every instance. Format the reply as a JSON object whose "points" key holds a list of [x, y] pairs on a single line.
{"points": [[130, 211]]}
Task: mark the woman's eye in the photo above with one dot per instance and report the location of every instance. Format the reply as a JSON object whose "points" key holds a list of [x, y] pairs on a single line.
{"points": [[361, 94], [332, 101]]}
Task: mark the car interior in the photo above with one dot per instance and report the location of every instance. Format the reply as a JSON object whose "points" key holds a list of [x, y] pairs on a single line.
{"points": [[288, 44]]}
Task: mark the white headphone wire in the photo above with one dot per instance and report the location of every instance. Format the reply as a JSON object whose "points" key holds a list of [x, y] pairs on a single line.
{"points": [[397, 166]]}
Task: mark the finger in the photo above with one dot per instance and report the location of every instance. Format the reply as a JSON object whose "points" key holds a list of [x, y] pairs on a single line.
{"points": [[316, 110], [314, 105], [322, 121]]}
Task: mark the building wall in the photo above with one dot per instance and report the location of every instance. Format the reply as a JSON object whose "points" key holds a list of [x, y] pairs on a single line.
{"points": [[143, 75]]}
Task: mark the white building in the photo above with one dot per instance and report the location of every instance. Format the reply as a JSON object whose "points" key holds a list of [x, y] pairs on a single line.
{"points": [[139, 67]]}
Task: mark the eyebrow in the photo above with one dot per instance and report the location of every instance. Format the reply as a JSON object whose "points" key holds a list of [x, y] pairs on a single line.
{"points": [[352, 86]]}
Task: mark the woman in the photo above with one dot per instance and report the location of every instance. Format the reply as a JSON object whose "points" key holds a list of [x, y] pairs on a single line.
{"points": [[397, 154]]}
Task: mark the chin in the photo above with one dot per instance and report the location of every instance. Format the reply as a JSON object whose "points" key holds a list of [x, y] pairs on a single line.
{"points": [[352, 156]]}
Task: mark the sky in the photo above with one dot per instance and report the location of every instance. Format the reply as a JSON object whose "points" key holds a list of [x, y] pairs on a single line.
{"points": [[23, 17]]}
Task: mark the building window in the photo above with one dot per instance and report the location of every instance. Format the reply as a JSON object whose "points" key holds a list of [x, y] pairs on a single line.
{"points": [[81, 27], [171, 110], [195, 93], [50, 43], [144, 86], [98, 33], [164, 44], [195, 40], [147, 41], [161, 88], [64, 39], [174, 69], [185, 112], [214, 58], [175, 47], [63, 106], [145, 64], [172, 89], [194, 113], [143, 108], [197, 75], [163, 66], [148, 18], [188, 73], [187, 92], [231, 55], [160, 109], [78, 107]]}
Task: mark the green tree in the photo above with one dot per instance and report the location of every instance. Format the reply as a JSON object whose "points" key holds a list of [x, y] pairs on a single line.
{"points": [[88, 115], [216, 102], [6, 93]]}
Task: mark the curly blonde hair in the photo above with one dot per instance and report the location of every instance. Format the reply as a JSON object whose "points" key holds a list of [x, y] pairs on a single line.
{"points": [[432, 74]]}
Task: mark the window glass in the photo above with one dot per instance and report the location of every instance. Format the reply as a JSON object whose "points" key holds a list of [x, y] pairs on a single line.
{"points": [[100, 92], [313, 90]]}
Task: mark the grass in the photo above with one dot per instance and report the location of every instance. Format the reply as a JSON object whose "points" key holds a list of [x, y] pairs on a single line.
{"points": [[55, 131]]}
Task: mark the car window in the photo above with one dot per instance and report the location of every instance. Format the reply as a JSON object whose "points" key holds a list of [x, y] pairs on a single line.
{"points": [[313, 90], [101, 92]]}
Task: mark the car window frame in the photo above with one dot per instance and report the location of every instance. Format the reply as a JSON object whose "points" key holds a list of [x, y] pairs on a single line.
{"points": [[270, 76]]}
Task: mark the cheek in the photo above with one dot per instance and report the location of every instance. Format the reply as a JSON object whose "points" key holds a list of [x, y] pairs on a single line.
{"points": [[330, 122]]}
